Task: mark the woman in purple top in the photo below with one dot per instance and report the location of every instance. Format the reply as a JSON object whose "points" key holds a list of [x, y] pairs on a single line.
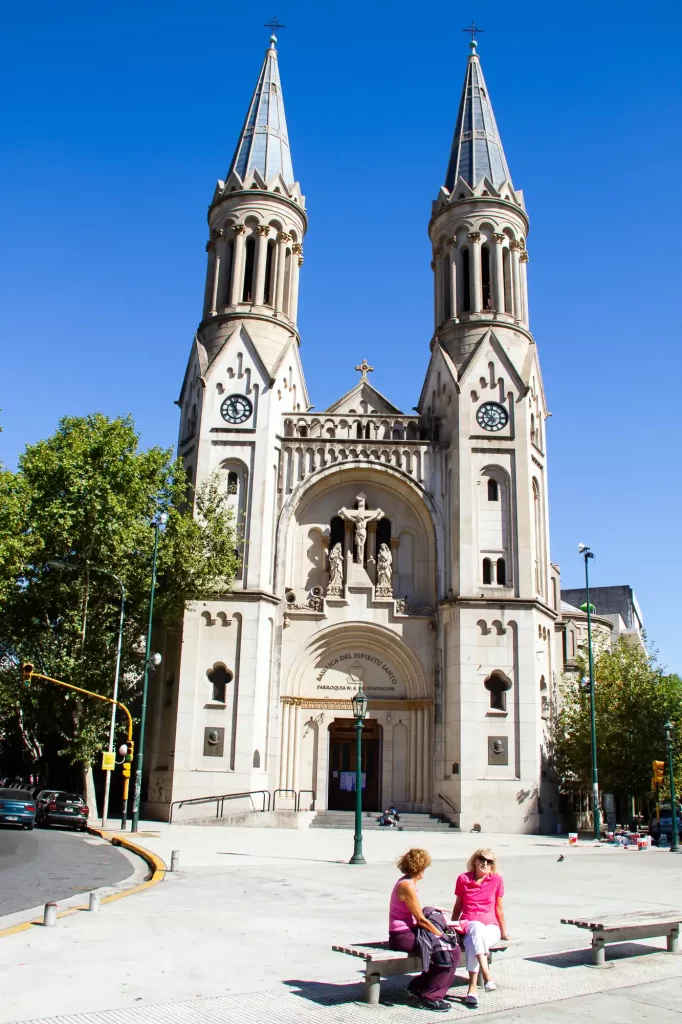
{"points": [[478, 906], [405, 916]]}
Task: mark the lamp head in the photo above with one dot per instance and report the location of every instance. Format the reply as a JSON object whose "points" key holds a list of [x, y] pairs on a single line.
{"points": [[156, 659], [581, 548], [359, 703]]}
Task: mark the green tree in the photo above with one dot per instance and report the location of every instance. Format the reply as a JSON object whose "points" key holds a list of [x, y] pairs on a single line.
{"points": [[634, 697], [87, 496]]}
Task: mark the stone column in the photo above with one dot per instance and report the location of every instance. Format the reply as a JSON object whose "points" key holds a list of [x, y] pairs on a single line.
{"points": [[412, 759], [428, 758], [419, 788], [282, 238], [297, 257], [452, 254], [261, 262], [523, 258], [434, 268], [395, 544], [214, 247], [516, 278], [499, 272], [237, 282], [290, 748], [440, 298], [296, 769], [475, 271], [283, 744]]}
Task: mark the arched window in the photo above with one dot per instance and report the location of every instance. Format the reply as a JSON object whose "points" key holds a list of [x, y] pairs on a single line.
{"points": [[445, 286], [368, 431], [286, 298], [236, 476], [249, 263], [302, 430], [337, 533], [232, 482], [219, 678], [507, 280], [358, 430], [256, 759], [501, 573], [497, 684], [466, 282], [485, 277], [532, 428], [493, 490], [226, 274], [383, 533], [269, 288], [487, 571]]}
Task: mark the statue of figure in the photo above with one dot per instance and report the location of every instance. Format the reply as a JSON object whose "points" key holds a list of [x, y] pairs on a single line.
{"points": [[360, 517], [384, 569], [335, 570]]}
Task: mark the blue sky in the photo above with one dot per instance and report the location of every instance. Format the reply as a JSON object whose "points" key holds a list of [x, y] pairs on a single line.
{"points": [[117, 121]]}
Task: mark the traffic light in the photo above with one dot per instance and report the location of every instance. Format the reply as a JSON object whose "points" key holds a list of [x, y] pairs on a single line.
{"points": [[26, 670], [658, 771], [130, 751]]}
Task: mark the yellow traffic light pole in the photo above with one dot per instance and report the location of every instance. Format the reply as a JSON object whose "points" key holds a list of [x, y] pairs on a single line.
{"points": [[28, 673]]}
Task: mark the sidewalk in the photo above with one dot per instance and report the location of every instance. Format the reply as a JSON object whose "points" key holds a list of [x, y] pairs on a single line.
{"points": [[244, 930]]}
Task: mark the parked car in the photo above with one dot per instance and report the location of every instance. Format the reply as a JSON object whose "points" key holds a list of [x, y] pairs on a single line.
{"points": [[17, 807], [663, 825], [43, 798], [60, 808]]}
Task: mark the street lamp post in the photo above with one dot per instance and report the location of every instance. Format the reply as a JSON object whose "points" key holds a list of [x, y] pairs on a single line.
{"points": [[58, 564], [587, 554], [148, 658], [360, 703], [675, 844]]}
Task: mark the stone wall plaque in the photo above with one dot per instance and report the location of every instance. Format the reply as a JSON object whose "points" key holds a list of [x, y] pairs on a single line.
{"points": [[214, 742], [498, 750]]}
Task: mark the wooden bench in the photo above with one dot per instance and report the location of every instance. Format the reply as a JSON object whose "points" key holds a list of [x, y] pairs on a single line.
{"points": [[382, 962], [642, 924]]}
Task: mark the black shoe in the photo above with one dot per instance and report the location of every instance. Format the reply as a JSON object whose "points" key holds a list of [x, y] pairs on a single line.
{"points": [[433, 1004], [412, 991]]}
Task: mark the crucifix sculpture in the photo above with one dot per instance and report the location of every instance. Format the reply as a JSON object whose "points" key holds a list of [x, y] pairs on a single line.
{"points": [[360, 517], [364, 368]]}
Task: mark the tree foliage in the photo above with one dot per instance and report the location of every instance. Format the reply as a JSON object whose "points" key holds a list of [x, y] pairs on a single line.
{"points": [[633, 700], [87, 496]]}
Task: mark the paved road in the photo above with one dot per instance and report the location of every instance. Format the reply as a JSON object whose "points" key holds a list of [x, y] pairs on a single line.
{"points": [[52, 864]]}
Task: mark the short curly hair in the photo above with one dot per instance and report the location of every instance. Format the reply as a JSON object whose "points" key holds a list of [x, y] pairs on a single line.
{"points": [[414, 862]]}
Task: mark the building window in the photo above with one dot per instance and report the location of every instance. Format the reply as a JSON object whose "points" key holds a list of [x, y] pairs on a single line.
{"points": [[445, 286], [383, 535], [219, 677], [256, 759], [487, 571], [507, 280], [337, 533], [268, 293], [497, 685], [466, 281], [501, 573], [493, 490], [247, 294], [232, 482], [485, 277]]}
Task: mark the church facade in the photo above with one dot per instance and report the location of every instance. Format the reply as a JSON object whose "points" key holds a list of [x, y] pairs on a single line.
{"points": [[404, 553]]}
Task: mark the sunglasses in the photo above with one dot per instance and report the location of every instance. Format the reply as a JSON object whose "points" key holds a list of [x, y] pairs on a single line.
{"points": [[485, 862]]}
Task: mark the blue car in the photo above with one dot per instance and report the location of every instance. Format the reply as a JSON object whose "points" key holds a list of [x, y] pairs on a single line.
{"points": [[17, 807], [663, 825]]}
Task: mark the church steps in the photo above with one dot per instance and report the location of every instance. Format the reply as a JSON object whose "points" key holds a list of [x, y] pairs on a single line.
{"points": [[409, 822]]}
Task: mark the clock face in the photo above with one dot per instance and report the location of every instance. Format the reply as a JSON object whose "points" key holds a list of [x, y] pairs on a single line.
{"points": [[492, 416], [236, 409]]}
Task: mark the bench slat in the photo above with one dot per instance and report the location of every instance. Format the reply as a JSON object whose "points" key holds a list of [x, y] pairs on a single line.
{"points": [[637, 918]]}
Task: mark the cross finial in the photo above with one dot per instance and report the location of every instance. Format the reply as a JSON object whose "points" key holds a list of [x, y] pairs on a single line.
{"points": [[364, 368], [274, 25], [473, 31]]}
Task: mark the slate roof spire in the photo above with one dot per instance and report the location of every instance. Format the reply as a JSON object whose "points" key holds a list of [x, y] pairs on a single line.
{"points": [[476, 151], [264, 142]]}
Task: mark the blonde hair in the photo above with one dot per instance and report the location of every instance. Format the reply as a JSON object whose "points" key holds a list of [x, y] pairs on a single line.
{"points": [[488, 854], [414, 862]]}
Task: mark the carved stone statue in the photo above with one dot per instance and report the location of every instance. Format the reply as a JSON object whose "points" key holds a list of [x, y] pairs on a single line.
{"points": [[360, 517], [335, 571], [384, 569]]}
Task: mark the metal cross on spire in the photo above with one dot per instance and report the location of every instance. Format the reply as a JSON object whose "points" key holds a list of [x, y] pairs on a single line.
{"points": [[274, 25], [364, 368], [473, 31]]}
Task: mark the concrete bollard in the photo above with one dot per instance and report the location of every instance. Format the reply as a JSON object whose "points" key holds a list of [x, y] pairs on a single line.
{"points": [[50, 915], [94, 902], [175, 860]]}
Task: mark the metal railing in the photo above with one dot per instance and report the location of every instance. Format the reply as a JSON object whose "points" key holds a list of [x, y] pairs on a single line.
{"points": [[446, 801], [298, 798], [220, 801], [274, 797]]}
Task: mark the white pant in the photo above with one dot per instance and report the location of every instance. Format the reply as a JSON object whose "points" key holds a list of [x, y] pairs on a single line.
{"points": [[479, 939]]}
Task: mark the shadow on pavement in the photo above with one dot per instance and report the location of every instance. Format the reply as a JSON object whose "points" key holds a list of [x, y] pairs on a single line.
{"points": [[583, 957]]}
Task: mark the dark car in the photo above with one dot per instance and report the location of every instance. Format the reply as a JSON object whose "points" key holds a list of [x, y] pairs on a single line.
{"points": [[663, 825], [17, 807], [60, 808]]}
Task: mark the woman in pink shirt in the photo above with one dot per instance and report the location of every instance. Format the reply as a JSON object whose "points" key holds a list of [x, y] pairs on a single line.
{"points": [[404, 917], [478, 905]]}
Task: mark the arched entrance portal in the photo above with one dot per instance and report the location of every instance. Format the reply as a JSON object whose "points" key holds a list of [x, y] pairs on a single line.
{"points": [[342, 755]]}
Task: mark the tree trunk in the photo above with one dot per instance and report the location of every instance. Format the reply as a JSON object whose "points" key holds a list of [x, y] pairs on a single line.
{"points": [[89, 791]]}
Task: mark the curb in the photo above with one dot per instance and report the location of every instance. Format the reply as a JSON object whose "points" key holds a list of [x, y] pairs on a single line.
{"points": [[156, 865]]}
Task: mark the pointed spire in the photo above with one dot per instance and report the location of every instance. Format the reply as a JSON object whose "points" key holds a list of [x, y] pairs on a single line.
{"points": [[476, 151], [264, 143]]}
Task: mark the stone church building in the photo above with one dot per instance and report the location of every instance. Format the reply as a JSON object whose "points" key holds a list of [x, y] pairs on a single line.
{"points": [[407, 552]]}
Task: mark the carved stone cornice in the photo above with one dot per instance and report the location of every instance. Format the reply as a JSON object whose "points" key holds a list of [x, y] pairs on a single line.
{"points": [[499, 237], [263, 229], [514, 244], [239, 229], [452, 242], [524, 256], [474, 236], [329, 704], [216, 235], [438, 253], [283, 236]]}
